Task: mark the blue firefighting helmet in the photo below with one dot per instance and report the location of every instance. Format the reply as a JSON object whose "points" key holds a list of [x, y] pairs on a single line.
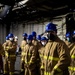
{"points": [[10, 35], [68, 34], [30, 37], [33, 34], [39, 37], [50, 27], [25, 35], [43, 38]]}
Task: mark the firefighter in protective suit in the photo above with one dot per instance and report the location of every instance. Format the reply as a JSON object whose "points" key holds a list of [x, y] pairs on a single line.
{"points": [[72, 54], [10, 56], [30, 57], [56, 54], [38, 46], [6, 40], [41, 53], [1, 61], [23, 44]]}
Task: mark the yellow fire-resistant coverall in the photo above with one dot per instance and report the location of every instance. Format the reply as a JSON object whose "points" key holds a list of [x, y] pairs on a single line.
{"points": [[10, 57], [23, 44], [38, 46], [30, 59], [41, 54], [69, 44], [72, 65], [56, 58]]}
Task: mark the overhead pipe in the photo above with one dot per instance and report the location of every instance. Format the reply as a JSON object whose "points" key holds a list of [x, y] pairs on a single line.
{"points": [[8, 7], [5, 11]]}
